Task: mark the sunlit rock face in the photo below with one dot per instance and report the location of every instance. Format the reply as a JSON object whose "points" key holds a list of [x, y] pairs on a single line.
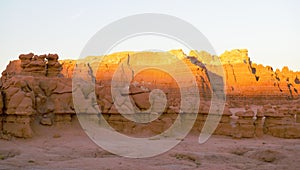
{"points": [[38, 88]]}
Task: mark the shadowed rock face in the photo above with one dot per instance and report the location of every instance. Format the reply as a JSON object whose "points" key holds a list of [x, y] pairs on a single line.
{"points": [[33, 88], [43, 65], [39, 88]]}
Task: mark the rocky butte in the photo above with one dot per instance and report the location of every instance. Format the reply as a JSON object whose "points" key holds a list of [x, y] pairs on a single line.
{"points": [[36, 90]]}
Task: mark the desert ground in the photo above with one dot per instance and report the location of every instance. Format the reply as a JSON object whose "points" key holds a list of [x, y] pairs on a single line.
{"points": [[66, 146]]}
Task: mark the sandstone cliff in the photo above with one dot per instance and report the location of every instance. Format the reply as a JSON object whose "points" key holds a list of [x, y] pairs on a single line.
{"points": [[39, 89]]}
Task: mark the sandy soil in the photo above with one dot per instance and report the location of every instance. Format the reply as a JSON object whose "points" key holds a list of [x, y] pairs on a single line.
{"points": [[66, 146]]}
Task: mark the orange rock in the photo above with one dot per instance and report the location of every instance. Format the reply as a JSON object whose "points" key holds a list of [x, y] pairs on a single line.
{"points": [[42, 85]]}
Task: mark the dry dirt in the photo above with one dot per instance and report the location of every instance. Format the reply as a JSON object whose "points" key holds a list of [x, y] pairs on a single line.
{"points": [[66, 146]]}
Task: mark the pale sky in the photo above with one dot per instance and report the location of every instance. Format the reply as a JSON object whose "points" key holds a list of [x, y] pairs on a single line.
{"points": [[270, 30]]}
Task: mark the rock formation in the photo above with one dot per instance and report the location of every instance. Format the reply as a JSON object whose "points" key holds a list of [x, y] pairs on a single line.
{"points": [[245, 78], [39, 89], [31, 90]]}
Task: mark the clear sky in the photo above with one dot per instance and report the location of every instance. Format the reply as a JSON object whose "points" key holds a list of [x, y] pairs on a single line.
{"points": [[270, 30]]}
